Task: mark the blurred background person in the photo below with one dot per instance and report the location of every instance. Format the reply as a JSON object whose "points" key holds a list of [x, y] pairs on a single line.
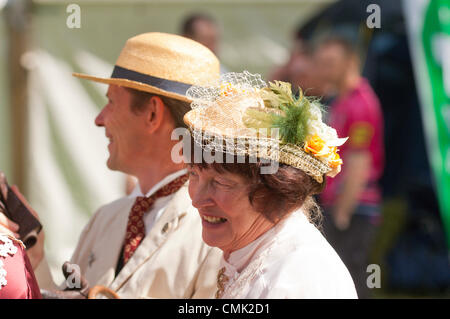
{"points": [[303, 74], [352, 199], [300, 70], [285, 71], [202, 28]]}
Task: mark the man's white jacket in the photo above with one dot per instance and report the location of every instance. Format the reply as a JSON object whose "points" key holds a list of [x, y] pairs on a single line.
{"points": [[172, 261]]}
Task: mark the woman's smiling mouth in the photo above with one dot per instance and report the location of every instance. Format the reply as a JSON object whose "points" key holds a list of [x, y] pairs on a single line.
{"points": [[213, 219]]}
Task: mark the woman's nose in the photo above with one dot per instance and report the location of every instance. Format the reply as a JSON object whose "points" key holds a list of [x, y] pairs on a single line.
{"points": [[201, 197]]}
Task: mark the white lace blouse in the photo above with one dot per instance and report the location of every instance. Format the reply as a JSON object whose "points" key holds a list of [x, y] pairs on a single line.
{"points": [[291, 260]]}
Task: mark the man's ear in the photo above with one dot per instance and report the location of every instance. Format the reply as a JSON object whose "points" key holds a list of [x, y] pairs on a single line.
{"points": [[156, 113]]}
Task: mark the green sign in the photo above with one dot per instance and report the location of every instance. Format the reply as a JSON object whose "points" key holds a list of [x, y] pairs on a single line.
{"points": [[432, 63]]}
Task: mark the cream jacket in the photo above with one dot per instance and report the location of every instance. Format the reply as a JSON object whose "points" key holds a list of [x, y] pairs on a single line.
{"points": [[171, 262]]}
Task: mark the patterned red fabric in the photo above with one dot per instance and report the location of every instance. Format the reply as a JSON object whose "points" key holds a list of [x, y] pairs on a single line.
{"points": [[21, 282], [136, 228]]}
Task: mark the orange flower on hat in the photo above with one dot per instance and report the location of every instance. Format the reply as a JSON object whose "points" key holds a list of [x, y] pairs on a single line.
{"points": [[315, 145], [319, 149]]}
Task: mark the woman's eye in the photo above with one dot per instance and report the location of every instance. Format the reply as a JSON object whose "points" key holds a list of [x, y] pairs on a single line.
{"points": [[221, 183], [192, 173]]}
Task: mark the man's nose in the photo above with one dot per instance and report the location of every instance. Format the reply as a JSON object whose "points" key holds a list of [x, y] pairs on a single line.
{"points": [[100, 119]]}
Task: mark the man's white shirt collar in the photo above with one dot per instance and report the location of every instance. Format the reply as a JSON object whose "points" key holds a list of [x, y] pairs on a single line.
{"points": [[166, 180]]}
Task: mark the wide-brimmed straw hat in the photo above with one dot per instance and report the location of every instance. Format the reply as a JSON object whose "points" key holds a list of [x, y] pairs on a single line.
{"points": [[162, 63], [242, 115]]}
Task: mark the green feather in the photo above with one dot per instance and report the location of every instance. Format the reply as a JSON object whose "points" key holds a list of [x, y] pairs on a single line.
{"points": [[257, 118], [283, 111], [292, 124]]}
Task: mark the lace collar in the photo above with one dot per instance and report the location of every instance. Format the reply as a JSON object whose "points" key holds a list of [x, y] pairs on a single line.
{"points": [[245, 264], [240, 258]]}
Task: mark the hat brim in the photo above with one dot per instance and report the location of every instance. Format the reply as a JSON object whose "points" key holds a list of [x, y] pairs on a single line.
{"points": [[133, 85]]}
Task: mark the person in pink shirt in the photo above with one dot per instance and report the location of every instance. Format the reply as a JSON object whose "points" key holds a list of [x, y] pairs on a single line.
{"points": [[352, 199]]}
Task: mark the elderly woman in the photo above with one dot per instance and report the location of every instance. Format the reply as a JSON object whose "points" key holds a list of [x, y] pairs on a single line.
{"points": [[265, 154]]}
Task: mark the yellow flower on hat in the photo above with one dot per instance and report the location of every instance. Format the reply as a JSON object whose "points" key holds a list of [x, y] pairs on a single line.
{"points": [[314, 145], [334, 160], [228, 89]]}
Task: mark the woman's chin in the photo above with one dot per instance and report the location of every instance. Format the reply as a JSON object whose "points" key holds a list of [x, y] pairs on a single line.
{"points": [[211, 239]]}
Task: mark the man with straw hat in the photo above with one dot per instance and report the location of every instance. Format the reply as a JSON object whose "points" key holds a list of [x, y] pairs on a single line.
{"points": [[149, 244]]}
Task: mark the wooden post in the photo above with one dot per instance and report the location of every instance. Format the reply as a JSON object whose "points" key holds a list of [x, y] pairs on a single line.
{"points": [[18, 19]]}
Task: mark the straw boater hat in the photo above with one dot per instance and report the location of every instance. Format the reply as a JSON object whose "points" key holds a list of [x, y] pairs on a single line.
{"points": [[242, 116], [162, 63]]}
